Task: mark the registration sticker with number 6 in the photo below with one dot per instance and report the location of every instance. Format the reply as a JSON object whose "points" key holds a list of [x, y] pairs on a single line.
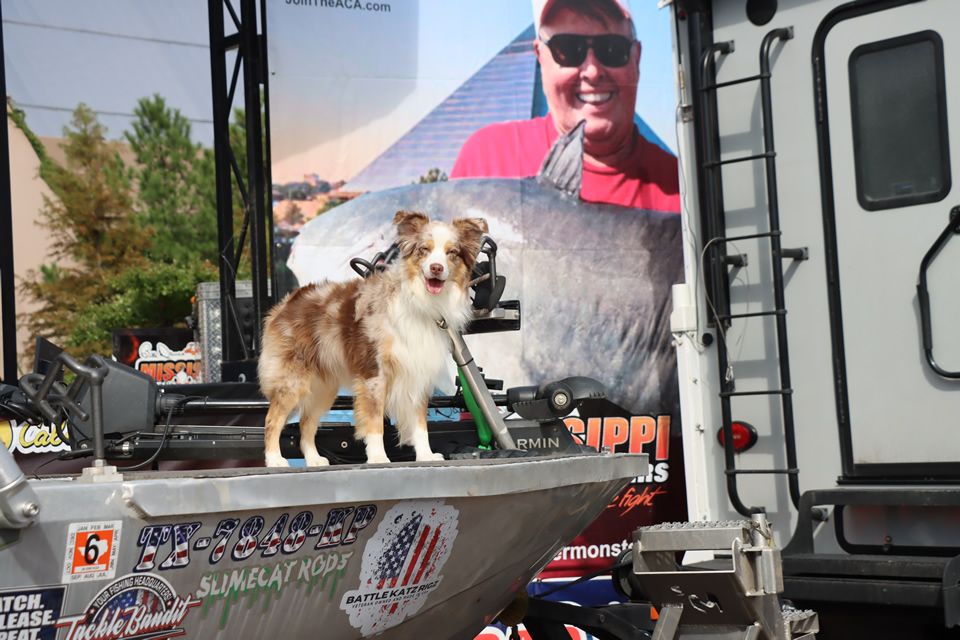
{"points": [[92, 549]]}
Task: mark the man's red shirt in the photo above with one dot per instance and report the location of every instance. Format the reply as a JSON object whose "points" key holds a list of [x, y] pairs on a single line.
{"points": [[647, 179]]}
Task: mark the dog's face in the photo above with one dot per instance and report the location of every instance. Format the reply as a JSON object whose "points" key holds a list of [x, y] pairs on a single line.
{"points": [[439, 253]]}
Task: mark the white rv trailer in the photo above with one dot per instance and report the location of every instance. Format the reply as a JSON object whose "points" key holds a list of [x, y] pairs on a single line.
{"points": [[817, 326]]}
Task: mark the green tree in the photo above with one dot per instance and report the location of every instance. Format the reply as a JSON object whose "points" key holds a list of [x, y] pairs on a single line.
{"points": [[433, 175], [130, 244], [156, 294], [294, 214], [93, 235], [174, 177]]}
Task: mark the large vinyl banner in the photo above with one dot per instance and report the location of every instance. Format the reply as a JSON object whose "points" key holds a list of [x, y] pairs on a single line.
{"points": [[449, 108]]}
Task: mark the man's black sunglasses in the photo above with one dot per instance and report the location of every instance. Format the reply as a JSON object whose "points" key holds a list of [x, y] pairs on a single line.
{"points": [[570, 49]]}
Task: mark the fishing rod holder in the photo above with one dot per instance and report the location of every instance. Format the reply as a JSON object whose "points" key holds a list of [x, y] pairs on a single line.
{"points": [[81, 402]]}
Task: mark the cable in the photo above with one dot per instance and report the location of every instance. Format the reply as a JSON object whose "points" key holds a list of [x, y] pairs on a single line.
{"points": [[447, 413], [109, 34], [99, 112], [728, 375], [35, 476], [163, 439], [739, 342]]}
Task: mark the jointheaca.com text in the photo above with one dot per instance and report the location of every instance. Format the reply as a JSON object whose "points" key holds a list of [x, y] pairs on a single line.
{"points": [[360, 5]]}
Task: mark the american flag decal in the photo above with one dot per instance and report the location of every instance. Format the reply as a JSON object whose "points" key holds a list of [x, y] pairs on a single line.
{"points": [[401, 564]]}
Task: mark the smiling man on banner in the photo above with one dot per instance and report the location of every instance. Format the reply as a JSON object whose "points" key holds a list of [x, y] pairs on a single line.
{"points": [[590, 65]]}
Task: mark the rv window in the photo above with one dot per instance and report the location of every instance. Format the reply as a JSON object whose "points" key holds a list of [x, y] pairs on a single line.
{"points": [[898, 100]]}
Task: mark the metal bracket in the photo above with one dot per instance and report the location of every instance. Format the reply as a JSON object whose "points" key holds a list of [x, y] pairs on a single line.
{"points": [[19, 506]]}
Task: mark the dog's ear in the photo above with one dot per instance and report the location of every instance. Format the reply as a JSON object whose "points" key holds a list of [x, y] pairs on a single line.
{"points": [[409, 222], [471, 229]]}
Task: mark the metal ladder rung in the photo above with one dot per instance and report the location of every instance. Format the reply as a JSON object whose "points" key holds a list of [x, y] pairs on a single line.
{"points": [[753, 236], [754, 314], [736, 472], [730, 83], [770, 392], [720, 163]]}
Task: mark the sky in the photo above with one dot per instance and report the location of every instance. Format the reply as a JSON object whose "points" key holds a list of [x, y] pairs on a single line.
{"points": [[351, 71], [107, 54]]}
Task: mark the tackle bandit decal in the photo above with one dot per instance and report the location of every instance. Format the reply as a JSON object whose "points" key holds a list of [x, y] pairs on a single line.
{"points": [[287, 535], [134, 606], [30, 614]]}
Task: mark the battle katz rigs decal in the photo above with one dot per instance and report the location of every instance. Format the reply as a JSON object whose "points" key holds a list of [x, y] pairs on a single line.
{"points": [[401, 564], [167, 366], [286, 560], [30, 614], [92, 549], [141, 606]]}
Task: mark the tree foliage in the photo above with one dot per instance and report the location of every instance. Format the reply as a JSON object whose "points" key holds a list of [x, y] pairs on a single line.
{"points": [[176, 196], [158, 294], [433, 175], [130, 244], [93, 236]]}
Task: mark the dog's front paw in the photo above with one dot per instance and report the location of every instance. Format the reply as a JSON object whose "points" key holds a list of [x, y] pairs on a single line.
{"points": [[377, 458], [430, 456], [276, 460], [315, 460]]}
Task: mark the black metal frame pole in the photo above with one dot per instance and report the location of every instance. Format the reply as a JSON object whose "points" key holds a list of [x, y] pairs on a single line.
{"points": [[253, 77], [250, 47], [267, 155], [219, 45], [8, 295]]}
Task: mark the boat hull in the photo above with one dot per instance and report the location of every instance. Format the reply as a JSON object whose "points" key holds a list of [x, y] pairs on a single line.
{"points": [[401, 550]]}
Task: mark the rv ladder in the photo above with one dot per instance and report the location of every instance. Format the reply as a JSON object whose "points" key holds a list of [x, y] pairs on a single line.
{"points": [[715, 226]]}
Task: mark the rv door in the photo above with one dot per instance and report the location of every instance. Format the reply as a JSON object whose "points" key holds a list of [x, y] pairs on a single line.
{"points": [[890, 137]]}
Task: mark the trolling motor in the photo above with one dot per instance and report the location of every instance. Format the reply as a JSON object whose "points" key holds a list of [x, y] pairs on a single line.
{"points": [[555, 399]]}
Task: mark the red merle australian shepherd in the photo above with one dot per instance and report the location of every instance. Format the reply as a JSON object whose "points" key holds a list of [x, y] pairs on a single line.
{"points": [[378, 336]]}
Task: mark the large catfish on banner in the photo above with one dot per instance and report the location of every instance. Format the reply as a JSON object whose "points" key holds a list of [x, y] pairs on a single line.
{"points": [[594, 280]]}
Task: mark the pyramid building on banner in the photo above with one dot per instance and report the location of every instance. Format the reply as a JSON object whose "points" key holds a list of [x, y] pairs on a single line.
{"points": [[503, 89]]}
